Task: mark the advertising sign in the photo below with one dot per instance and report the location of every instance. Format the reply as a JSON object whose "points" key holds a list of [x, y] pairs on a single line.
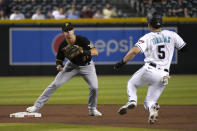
{"points": [[38, 46]]}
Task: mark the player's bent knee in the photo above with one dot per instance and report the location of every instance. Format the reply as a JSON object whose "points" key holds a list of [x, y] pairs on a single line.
{"points": [[54, 85], [94, 89], [93, 86], [131, 84]]}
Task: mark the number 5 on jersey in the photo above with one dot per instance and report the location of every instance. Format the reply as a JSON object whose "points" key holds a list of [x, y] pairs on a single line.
{"points": [[161, 52]]}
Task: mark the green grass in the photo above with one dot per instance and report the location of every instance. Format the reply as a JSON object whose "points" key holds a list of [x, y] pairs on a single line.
{"points": [[64, 127], [112, 90], [181, 90]]}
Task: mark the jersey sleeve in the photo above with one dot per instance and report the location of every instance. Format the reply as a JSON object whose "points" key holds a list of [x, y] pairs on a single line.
{"points": [[178, 41], [60, 55], [141, 44], [86, 44]]}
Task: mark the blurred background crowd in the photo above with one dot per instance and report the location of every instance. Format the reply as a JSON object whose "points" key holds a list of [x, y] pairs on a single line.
{"points": [[74, 9]]}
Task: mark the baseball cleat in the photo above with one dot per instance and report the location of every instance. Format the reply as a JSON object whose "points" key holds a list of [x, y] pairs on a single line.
{"points": [[153, 113], [94, 112], [32, 109], [130, 105]]}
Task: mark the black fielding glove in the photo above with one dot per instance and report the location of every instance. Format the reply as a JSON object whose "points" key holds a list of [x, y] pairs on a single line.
{"points": [[119, 65]]}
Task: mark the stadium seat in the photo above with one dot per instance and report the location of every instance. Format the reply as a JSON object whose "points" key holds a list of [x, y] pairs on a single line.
{"points": [[29, 6]]}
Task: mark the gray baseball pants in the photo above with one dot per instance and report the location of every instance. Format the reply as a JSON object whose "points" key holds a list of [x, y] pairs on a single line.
{"points": [[70, 70]]}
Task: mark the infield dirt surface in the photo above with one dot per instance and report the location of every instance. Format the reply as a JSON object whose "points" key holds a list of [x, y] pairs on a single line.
{"points": [[182, 118]]}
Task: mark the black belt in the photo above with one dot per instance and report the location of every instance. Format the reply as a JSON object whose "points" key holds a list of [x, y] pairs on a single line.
{"points": [[154, 65]]}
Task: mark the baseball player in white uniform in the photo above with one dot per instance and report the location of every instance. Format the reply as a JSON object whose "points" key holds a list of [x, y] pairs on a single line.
{"points": [[158, 47]]}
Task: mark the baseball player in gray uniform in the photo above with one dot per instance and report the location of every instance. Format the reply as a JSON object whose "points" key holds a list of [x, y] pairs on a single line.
{"points": [[158, 47], [81, 64]]}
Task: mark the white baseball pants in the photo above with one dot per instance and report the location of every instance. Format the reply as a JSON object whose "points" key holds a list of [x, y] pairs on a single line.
{"points": [[151, 76], [70, 70]]}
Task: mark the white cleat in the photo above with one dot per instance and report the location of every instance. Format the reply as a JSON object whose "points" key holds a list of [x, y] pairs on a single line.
{"points": [[94, 112], [153, 113], [130, 105], [32, 109]]}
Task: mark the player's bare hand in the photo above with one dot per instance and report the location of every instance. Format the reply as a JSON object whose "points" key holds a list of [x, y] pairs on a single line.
{"points": [[59, 68]]}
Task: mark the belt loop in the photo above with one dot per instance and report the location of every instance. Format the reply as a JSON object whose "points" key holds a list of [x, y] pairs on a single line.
{"points": [[154, 65], [166, 70]]}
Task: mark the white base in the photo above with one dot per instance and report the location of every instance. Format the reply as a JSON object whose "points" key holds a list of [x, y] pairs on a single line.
{"points": [[25, 115]]}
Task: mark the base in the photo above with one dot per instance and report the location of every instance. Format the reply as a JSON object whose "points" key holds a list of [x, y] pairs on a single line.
{"points": [[25, 115]]}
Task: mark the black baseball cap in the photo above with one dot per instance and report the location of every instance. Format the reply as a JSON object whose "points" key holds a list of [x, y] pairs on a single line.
{"points": [[67, 27]]}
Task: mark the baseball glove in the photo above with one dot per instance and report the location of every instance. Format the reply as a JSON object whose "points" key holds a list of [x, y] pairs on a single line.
{"points": [[71, 51]]}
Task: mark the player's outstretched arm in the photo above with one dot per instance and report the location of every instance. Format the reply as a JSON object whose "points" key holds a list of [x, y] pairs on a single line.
{"points": [[130, 55]]}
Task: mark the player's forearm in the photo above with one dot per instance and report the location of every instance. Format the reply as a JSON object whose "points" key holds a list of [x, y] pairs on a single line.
{"points": [[129, 57], [131, 54], [94, 52]]}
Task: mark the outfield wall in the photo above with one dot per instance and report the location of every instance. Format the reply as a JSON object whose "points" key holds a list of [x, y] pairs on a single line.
{"points": [[29, 48]]}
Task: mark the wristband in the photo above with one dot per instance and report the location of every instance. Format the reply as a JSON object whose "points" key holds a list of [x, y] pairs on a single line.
{"points": [[87, 52], [123, 62]]}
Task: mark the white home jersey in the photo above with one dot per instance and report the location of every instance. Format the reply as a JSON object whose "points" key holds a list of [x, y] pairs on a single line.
{"points": [[158, 47]]}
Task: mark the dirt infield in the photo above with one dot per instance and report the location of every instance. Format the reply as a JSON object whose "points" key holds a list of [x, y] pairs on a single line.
{"points": [[183, 118]]}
